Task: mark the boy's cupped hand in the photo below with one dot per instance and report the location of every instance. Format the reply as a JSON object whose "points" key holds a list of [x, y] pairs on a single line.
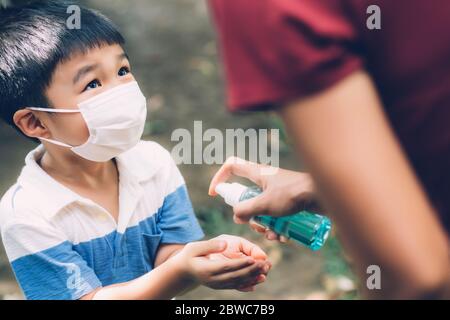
{"points": [[238, 247], [225, 262]]}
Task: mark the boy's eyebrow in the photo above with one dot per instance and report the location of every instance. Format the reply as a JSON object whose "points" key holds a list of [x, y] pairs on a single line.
{"points": [[123, 56], [89, 68], [83, 71]]}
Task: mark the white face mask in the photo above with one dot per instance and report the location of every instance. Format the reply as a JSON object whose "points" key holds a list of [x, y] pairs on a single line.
{"points": [[115, 120]]}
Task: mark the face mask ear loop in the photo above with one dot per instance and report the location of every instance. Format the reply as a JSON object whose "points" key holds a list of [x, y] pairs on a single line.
{"points": [[62, 144], [54, 110]]}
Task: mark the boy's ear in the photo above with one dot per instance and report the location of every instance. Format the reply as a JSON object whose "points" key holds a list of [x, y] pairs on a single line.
{"points": [[29, 123]]}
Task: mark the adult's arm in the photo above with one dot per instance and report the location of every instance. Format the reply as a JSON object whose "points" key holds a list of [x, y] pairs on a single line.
{"points": [[369, 188]]}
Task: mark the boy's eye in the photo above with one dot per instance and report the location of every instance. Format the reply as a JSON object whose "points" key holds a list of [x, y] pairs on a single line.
{"points": [[123, 71], [92, 85]]}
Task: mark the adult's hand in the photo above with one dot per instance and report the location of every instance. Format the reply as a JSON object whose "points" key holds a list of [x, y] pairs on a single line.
{"points": [[285, 192]]}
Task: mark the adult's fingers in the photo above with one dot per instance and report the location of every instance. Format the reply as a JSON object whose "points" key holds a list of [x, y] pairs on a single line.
{"points": [[238, 167], [257, 227], [270, 235], [245, 210]]}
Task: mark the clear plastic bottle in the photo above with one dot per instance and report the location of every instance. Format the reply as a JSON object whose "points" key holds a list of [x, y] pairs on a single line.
{"points": [[306, 228]]}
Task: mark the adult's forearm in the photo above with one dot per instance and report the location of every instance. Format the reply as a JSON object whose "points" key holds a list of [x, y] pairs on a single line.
{"points": [[367, 185]]}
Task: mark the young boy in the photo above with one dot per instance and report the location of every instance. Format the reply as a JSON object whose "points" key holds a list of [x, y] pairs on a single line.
{"points": [[97, 213]]}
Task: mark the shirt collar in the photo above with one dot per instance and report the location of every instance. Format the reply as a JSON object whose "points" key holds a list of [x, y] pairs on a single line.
{"points": [[139, 163], [51, 194], [54, 196]]}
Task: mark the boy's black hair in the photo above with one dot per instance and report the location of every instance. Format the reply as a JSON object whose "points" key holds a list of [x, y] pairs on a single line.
{"points": [[34, 39]]}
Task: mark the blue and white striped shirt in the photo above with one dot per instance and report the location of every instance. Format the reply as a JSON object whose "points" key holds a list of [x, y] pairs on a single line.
{"points": [[63, 246]]}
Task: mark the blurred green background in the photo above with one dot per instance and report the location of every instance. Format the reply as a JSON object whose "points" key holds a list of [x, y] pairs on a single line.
{"points": [[174, 57]]}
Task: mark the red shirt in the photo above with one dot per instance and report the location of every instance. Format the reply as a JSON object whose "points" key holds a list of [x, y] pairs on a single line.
{"points": [[278, 50]]}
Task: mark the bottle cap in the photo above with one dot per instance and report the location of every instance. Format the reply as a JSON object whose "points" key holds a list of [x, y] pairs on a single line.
{"points": [[231, 192]]}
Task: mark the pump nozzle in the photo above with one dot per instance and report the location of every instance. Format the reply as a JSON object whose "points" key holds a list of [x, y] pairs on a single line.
{"points": [[230, 192]]}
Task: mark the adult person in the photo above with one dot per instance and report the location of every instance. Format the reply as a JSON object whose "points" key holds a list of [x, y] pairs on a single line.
{"points": [[369, 113]]}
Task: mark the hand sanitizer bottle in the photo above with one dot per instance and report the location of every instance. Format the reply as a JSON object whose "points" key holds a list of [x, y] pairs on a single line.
{"points": [[304, 227]]}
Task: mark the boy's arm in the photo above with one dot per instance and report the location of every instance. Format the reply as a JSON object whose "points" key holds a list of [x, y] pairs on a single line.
{"points": [[166, 251], [185, 270], [162, 283], [164, 279], [368, 186]]}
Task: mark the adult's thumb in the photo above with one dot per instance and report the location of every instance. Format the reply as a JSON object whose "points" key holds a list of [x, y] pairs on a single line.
{"points": [[245, 210]]}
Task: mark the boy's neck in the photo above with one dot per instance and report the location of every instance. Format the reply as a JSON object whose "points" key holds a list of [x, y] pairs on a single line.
{"points": [[66, 164]]}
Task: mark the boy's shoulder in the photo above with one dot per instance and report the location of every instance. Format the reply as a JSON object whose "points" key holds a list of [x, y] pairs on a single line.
{"points": [[16, 207]]}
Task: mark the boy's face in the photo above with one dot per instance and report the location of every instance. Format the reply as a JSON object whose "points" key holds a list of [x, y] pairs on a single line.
{"points": [[83, 76]]}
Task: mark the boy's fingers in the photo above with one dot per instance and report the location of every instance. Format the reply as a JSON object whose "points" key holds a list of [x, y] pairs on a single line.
{"points": [[247, 289], [261, 278], [241, 275], [227, 266], [251, 286], [238, 167], [203, 248], [252, 250]]}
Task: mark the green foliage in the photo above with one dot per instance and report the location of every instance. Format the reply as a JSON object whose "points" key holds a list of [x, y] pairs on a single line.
{"points": [[155, 127], [335, 264], [216, 221], [285, 144]]}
